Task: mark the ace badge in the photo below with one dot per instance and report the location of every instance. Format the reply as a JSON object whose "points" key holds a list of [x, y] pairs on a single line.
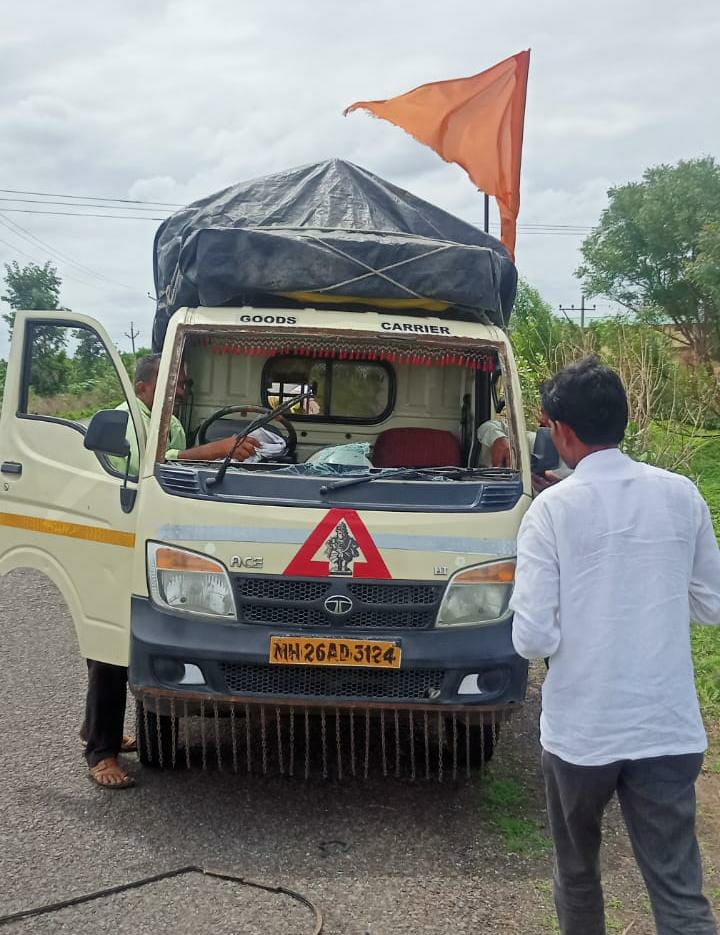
{"points": [[339, 546]]}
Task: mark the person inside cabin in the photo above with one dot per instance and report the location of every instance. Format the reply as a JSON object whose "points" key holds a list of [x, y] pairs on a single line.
{"points": [[495, 451]]}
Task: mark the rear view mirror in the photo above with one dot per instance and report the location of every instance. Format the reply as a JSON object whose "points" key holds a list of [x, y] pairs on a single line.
{"points": [[544, 454], [106, 433]]}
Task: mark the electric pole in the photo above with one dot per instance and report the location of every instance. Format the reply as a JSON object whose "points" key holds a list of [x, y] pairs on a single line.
{"points": [[583, 308], [132, 334]]}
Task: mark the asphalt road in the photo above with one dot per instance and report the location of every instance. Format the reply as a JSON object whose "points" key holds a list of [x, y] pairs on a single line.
{"points": [[378, 857]]}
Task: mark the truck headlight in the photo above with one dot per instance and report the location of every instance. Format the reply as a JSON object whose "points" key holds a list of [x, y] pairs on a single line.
{"points": [[478, 595], [187, 582]]}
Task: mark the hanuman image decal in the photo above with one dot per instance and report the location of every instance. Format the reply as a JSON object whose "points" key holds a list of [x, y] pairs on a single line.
{"points": [[341, 550]]}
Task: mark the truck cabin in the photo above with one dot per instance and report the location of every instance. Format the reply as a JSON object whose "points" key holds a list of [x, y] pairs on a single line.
{"points": [[356, 402]]}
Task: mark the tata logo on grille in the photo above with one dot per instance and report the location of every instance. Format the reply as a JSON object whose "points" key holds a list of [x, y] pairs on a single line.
{"points": [[338, 604]]}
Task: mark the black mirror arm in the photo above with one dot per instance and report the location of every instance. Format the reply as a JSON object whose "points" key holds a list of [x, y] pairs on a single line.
{"points": [[127, 494]]}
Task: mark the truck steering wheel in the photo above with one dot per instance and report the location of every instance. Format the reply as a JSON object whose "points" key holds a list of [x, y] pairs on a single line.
{"points": [[289, 432]]}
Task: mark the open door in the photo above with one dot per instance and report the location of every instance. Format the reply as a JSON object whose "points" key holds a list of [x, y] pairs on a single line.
{"points": [[60, 504]]}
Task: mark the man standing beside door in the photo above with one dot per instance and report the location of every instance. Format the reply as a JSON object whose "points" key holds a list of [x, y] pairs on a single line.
{"points": [[102, 730]]}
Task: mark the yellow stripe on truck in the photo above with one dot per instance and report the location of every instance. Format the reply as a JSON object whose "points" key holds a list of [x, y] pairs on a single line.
{"points": [[70, 530], [312, 298]]}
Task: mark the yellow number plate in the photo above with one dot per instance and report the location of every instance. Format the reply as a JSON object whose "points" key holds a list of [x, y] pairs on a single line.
{"points": [[316, 651]]}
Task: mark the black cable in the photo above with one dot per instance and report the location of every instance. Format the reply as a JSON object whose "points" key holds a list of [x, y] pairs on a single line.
{"points": [[78, 214], [131, 201], [33, 239], [156, 878], [85, 204]]}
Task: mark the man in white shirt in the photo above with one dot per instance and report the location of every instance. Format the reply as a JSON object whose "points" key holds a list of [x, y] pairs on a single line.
{"points": [[612, 563]]}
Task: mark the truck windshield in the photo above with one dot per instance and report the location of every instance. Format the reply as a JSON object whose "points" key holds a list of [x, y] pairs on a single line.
{"points": [[276, 421]]}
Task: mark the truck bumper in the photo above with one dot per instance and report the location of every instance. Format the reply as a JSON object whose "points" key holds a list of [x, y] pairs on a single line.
{"points": [[183, 659]]}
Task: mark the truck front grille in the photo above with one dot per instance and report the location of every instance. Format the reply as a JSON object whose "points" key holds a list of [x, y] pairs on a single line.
{"points": [[278, 601], [328, 683]]}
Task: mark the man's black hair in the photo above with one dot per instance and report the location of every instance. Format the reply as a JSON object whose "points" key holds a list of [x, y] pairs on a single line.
{"points": [[590, 398], [146, 368]]}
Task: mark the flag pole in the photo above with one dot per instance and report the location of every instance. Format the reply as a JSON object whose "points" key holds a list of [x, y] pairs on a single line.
{"points": [[487, 214]]}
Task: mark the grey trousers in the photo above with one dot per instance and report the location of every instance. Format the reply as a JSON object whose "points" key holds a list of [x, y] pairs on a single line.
{"points": [[657, 799]]}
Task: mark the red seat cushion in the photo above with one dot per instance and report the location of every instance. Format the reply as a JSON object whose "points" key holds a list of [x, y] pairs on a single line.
{"points": [[419, 448]]}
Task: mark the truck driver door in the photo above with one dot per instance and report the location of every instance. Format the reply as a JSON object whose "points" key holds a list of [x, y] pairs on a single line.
{"points": [[60, 508]]}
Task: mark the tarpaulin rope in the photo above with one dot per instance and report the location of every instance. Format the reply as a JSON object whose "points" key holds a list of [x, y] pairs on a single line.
{"points": [[381, 272]]}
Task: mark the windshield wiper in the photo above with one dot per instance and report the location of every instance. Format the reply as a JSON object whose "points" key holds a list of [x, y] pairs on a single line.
{"points": [[390, 473], [254, 425], [454, 473]]}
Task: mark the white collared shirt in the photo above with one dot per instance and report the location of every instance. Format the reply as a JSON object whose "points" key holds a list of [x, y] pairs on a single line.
{"points": [[612, 564]]}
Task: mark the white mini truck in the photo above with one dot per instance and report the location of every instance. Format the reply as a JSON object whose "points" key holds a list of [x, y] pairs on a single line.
{"points": [[350, 593]]}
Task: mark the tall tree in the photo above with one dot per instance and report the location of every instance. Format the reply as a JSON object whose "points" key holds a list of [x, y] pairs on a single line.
{"points": [[30, 287], [654, 250], [38, 288]]}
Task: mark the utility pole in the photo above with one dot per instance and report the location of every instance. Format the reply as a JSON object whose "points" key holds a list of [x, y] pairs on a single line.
{"points": [[132, 334], [583, 308]]}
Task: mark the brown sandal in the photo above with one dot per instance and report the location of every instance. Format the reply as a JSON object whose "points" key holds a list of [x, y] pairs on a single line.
{"points": [[108, 774]]}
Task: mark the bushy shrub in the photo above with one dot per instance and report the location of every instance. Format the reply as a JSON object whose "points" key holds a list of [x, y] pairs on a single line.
{"points": [[670, 403]]}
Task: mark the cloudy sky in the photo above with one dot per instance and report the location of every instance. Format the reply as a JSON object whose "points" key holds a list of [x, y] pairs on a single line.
{"points": [[171, 100]]}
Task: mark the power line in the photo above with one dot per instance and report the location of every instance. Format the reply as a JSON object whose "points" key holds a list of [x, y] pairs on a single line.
{"points": [[31, 238], [582, 309], [546, 232], [68, 204], [77, 214], [33, 259], [131, 201]]}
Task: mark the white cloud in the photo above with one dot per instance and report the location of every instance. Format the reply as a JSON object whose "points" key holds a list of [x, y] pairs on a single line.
{"points": [[172, 100]]}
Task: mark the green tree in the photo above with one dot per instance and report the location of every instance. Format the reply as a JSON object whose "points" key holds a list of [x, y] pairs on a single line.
{"points": [[3, 372], [38, 287], [535, 334], [90, 358], [30, 287], [656, 247]]}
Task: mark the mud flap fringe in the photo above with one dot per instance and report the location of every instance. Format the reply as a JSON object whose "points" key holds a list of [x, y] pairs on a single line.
{"points": [[403, 742]]}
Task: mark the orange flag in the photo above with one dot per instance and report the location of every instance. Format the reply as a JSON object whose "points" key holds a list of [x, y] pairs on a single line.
{"points": [[476, 122]]}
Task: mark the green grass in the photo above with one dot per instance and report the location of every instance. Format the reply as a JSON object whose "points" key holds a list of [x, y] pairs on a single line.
{"points": [[706, 640], [505, 800]]}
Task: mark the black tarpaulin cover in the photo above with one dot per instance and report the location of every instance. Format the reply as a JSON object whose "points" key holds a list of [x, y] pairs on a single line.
{"points": [[328, 234]]}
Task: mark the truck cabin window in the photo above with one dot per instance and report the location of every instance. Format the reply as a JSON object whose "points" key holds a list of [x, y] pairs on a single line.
{"points": [[68, 374], [342, 390], [67, 377]]}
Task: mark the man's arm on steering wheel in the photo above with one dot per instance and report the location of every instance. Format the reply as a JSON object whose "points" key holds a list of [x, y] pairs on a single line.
{"points": [[213, 451]]}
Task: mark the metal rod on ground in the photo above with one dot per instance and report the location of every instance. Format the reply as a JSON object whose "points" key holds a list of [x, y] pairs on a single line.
{"points": [[186, 735], [234, 738]]}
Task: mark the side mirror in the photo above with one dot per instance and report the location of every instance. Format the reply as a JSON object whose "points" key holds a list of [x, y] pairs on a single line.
{"points": [[544, 454], [106, 433]]}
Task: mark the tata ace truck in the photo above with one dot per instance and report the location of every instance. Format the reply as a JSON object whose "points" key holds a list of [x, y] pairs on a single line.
{"points": [[348, 592]]}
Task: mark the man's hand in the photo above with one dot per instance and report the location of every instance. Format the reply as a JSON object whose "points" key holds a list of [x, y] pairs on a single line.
{"points": [[500, 454], [542, 482], [216, 451], [245, 449]]}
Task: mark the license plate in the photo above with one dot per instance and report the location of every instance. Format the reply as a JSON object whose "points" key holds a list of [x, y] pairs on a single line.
{"points": [[319, 651]]}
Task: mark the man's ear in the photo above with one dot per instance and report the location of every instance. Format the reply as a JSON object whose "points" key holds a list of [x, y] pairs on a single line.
{"points": [[564, 434]]}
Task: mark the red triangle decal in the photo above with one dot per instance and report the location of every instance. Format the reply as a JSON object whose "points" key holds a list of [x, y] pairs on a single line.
{"points": [[348, 549]]}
